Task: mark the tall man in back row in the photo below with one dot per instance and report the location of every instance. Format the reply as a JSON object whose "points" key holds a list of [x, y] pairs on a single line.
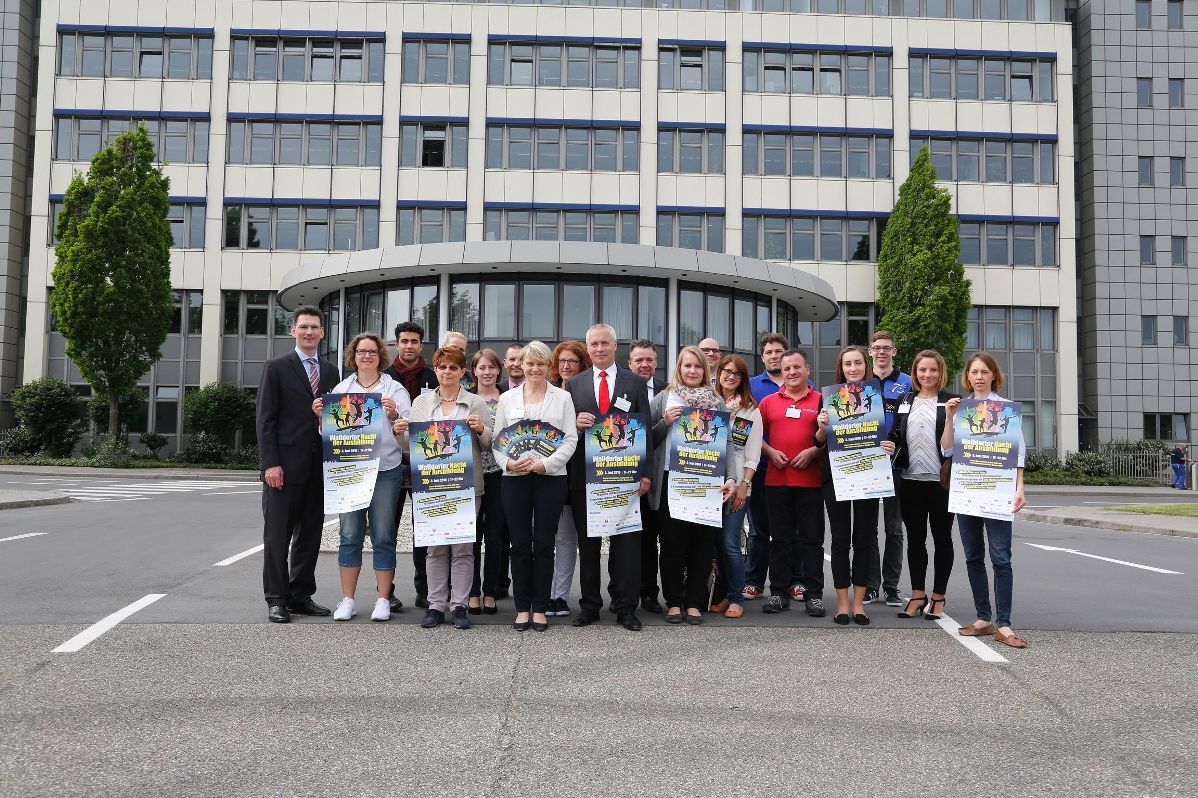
{"points": [[597, 391], [289, 450], [884, 571]]}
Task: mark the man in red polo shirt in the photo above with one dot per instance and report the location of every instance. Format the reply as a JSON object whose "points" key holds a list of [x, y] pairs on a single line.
{"points": [[793, 481]]}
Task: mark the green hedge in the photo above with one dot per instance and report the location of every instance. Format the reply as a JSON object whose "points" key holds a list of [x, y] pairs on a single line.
{"points": [[1069, 478]]}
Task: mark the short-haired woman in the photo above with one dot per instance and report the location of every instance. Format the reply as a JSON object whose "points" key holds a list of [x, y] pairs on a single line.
{"points": [[732, 385], [983, 379], [687, 548], [492, 523], [534, 488], [916, 434], [854, 522], [569, 358], [367, 356], [451, 564]]}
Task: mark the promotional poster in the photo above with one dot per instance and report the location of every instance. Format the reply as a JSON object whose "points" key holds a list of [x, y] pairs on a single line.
{"points": [[351, 430], [615, 450], [985, 458], [518, 439], [443, 506], [698, 461], [856, 422]]}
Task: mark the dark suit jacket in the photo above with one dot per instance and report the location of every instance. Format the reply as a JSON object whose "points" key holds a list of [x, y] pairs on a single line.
{"points": [[288, 433], [628, 385]]}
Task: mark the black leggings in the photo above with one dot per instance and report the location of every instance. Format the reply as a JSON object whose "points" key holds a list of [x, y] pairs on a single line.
{"points": [[492, 530], [533, 504], [926, 504], [687, 552], [854, 524]]}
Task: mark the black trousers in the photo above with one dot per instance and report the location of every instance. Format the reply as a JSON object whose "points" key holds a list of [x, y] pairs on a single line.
{"points": [[491, 574], [533, 504], [854, 526], [293, 517], [795, 514], [926, 504], [651, 523], [687, 551], [623, 564]]}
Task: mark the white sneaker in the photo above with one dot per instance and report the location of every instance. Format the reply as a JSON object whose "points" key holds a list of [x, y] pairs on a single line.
{"points": [[382, 610], [347, 609]]}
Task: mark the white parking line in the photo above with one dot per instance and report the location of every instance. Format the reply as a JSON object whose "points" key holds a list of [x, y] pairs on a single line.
{"points": [[104, 624], [19, 537], [231, 492], [972, 643], [101, 499], [1106, 559], [241, 556]]}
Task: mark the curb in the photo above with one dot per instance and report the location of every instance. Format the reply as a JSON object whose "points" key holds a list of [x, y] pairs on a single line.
{"points": [[216, 475], [1104, 523], [55, 498], [1091, 490]]}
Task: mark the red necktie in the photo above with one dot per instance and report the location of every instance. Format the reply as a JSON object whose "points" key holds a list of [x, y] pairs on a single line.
{"points": [[604, 399]]}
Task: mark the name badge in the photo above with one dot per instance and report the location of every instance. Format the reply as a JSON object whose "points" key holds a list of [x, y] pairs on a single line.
{"points": [[904, 409], [794, 412], [623, 405], [423, 391]]}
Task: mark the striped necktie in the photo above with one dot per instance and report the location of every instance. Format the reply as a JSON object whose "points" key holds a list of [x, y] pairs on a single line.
{"points": [[313, 376]]}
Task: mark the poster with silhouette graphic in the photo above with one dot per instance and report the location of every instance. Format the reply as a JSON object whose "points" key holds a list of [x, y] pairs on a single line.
{"points": [[443, 506], [698, 459], [987, 438], [856, 422], [351, 429], [528, 437], [614, 453]]}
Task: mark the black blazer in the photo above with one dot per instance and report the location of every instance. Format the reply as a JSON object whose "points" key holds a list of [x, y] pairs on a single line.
{"points": [[628, 385], [288, 433], [898, 432]]}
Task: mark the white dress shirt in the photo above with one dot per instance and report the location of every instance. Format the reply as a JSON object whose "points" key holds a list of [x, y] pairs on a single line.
{"points": [[611, 382]]}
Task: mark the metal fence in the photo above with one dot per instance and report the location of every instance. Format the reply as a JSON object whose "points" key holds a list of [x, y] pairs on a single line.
{"points": [[1140, 465]]}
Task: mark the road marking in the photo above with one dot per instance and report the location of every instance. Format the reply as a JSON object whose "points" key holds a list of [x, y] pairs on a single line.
{"points": [[104, 624], [972, 643], [241, 556], [98, 499], [19, 537], [232, 492], [1106, 559]]}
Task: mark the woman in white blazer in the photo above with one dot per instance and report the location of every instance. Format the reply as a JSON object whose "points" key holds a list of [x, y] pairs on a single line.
{"points": [[534, 486]]}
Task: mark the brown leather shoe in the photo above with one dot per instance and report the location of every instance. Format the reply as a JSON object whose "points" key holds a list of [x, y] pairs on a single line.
{"points": [[973, 631], [1009, 640], [720, 606], [734, 611]]}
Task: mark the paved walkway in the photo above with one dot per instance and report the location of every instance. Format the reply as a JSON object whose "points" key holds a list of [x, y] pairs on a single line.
{"points": [[11, 499]]}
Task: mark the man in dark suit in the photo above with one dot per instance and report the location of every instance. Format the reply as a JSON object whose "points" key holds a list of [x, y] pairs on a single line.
{"points": [[642, 359], [292, 469], [596, 391]]}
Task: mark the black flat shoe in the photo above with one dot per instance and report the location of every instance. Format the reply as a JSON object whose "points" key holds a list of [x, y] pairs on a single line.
{"points": [[842, 619], [586, 618], [674, 617], [650, 604], [277, 613], [629, 621], [489, 610], [475, 610], [694, 620], [860, 619], [308, 607], [521, 626], [540, 627]]}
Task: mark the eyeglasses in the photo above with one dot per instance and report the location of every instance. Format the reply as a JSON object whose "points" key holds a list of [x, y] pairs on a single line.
{"points": [[881, 350], [563, 361], [710, 351], [366, 352], [308, 327], [731, 373]]}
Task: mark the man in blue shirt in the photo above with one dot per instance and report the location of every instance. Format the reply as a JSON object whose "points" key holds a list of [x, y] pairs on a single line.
{"points": [[885, 574], [772, 345]]}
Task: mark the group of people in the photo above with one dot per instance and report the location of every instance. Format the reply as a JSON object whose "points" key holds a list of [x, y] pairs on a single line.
{"points": [[532, 510]]}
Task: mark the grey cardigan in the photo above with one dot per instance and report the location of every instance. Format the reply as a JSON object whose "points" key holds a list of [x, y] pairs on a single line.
{"points": [[426, 403], [660, 431]]}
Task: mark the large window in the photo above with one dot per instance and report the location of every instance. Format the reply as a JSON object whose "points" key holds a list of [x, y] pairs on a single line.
{"points": [[812, 238], [596, 149], [433, 145], [690, 151], [596, 66], [733, 319], [436, 62], [78, 138], [187, 225], [687, 230], [990, 78], [831, 154], [1167, 426], [691, 68], [304, 143], [135, 55], [815, 72], [561, 225], [425, 225], [303, 227], [327, 60], [1003, 243], [990, 160]]}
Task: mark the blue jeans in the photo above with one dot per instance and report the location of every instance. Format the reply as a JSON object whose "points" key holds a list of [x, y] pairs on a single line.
{"points": [[384, 524], [1179, 476], [976, 533], [728, 554]]}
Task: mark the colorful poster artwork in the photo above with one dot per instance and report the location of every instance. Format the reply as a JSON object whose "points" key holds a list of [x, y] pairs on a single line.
{"points": [[861, 469], [698, 460], [614, 454], [985, 458], [525, 436], [444, 510], [351, 430]]}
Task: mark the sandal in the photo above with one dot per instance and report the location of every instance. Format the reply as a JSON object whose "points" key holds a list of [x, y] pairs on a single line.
{"points": [[922, 601], [931, 613], [1009, 640], [734, 611]]}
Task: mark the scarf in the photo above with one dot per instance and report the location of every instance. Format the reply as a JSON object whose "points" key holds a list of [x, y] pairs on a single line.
{"points": [[733, 403], [410, 375], [702, 397]]}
